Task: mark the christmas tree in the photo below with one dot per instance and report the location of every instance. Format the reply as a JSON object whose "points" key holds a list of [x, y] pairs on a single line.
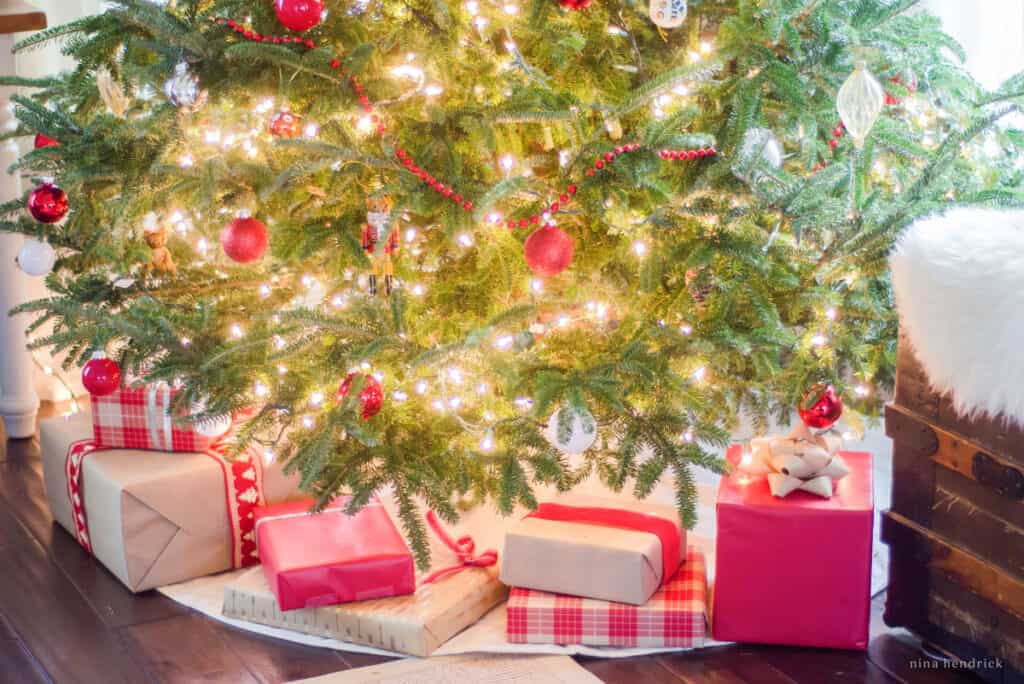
{"points": [[440, 247]]}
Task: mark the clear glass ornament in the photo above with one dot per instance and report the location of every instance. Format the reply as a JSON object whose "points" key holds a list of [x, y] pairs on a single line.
{"points": [[582, 431], [667, 13], [860, 103], [111, 93], [763, 144], [182, 89]]}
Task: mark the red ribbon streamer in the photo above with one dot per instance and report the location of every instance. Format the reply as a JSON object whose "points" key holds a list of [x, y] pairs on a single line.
{"points": [[664, 530], [463, 547]]}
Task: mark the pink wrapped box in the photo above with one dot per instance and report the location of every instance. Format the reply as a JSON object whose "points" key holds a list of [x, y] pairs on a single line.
{"points": [[319, 559], [672, 618], [794, 570]]}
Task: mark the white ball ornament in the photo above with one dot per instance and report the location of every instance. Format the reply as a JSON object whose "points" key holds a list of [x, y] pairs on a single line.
{"points": [[581, 435], [36, 258], [210, 427], [667, 13]]}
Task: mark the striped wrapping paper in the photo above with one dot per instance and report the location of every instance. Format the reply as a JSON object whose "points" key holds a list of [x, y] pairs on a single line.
{"points": [[674, 617]]}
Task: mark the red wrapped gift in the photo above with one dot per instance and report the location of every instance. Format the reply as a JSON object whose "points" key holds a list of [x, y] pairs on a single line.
{"points": [[794, 570], [672, 618], [319, 559], [140, 418]]}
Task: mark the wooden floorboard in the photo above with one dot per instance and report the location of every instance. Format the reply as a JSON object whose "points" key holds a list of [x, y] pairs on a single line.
{"points": [[65, 619]]}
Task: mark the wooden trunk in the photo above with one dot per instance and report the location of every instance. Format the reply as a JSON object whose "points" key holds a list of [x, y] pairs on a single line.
{"points": [[956, 527]]}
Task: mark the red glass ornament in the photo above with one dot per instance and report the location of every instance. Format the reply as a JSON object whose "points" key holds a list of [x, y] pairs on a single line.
{"points": [[298, 15], [574, 4], [285, 124], [244, 239], [48, 203], [548, 250], [821, 407], [100, 375], [44, 141], [371, 399]]}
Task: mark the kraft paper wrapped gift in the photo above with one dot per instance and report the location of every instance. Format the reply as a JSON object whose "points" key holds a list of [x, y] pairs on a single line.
{"points": [[154, 518], [596, 548], [796, 570], [416, 624]]}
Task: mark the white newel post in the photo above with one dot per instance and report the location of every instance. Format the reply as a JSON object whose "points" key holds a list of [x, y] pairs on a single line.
{"points": [[18, 399]]}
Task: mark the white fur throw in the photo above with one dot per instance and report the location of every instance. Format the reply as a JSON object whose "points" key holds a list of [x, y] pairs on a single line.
{"points": [[959, 284]]}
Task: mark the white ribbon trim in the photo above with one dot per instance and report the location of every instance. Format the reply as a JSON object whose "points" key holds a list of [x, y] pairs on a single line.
{"points": [[801, 460], [158, 415]]}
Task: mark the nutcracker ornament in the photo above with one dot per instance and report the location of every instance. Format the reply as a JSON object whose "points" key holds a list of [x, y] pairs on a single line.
{"points": [[380, 239]]}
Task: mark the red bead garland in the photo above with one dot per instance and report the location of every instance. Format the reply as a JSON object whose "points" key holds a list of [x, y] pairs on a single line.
{"points": [[248, 34], [688, 155], [437, 185], [838, 132]]}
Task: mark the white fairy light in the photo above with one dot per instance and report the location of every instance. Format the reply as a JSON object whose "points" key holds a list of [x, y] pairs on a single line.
{"points": [[537, 285], [700, 373], [831, 313], [337, 301], [264, 290], [507, 162], [639, 248], [523, 402], [487, 443], [268, 456], [212, 136], [421, 387], [687, 436], [316, 399], [311, 130], [487, 415], [494, 218], [185, 342], [504, 342], [694, 56], [482, 388], [465, 239], [433, 90], [418, 290], [260, 389], [455, 375], [237, 331], [364, 124], [308, 281], [686, 329], [410, 234], [281, 369], [308, 422], [378, 376], [186, 161], [564, 156], [862, 390], [455, 402], [563, 321], [480, 23], [399, 395], [438, 405], [511, 9], [819, 340], [472, 7], [680, 90], [705, 47], [279, 342]]}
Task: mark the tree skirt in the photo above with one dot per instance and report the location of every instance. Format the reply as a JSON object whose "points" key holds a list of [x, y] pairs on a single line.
{"points": [[206, 594], [959, 285]]}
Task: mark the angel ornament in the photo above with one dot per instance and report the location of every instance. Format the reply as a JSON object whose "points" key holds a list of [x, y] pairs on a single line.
{"points": [[380, 240], [801, 460]]}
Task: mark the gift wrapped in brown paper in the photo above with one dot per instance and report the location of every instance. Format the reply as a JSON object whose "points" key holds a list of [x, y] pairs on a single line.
{"points": [[154, 518], [416, 624], [596, 548]]}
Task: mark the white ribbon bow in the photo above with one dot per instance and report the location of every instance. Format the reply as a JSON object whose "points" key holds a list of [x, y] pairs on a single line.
{"points": [[801, 460]]}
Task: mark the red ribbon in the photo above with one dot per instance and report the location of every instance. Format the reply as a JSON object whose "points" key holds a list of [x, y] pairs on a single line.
{"points": [[463, 547], [665, 530]]}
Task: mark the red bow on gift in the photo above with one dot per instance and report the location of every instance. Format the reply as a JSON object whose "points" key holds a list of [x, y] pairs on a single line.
{"points": [[463, 547]]}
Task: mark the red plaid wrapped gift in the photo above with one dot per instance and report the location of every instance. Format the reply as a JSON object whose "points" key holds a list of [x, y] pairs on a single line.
{"points": [[672, 618], [139, 418]]}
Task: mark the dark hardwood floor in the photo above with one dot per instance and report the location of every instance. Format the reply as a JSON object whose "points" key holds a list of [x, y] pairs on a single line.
{"points": [[64, 618]]}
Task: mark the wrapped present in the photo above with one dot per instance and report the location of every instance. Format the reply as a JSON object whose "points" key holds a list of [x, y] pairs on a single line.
{"points": [[444, 604], [141, 418], [674, 617], [794, 570], [318, 559], [593, 547], [155, 518]]}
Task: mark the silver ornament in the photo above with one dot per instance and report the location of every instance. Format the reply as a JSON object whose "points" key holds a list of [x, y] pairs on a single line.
{"points": [[759, 143], [581, 434], [36, 258], [667, 13], [209, 427], [182, 89], [860, 102]]}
